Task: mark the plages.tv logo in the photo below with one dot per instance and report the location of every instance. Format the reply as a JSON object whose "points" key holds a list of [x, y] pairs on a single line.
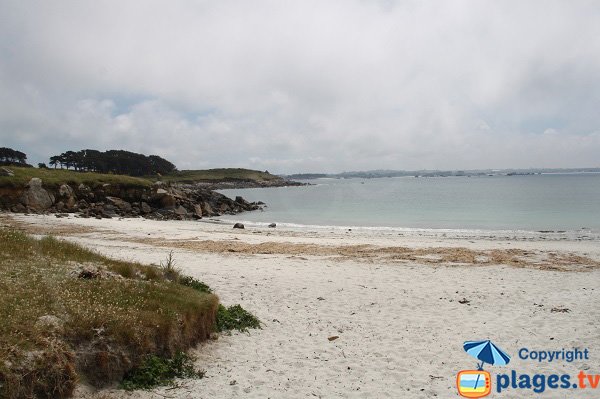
{"points": [[478, 383]]}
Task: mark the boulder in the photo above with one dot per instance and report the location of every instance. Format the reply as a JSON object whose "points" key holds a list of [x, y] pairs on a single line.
{"points": [[119, 203], [65, 191], [238, 226], [165, 199], [181, 211], [108, 211], [19, 208], [35, 197], [145, 208], [207, 209], [241, 200], [168, 201], [83, 188], [71, 203], [6, 172], [273, 225], [198, 211]]}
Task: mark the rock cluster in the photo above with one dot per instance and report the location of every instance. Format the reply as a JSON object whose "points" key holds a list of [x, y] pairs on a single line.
{"points": [[160, 201]]}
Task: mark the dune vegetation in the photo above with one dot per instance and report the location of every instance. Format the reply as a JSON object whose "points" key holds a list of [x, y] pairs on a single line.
{"points": [[56, 177], [69, 314]]}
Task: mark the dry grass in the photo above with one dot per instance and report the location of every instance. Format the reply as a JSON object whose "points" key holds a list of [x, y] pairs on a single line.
{"points": [[543, 260], [69, 313]]}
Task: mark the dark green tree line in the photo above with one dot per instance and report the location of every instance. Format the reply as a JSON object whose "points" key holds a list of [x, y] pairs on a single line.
{"points": [[112, 161], [8, 156]]}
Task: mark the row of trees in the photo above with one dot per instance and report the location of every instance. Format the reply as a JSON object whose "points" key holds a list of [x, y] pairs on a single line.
{"points": [[8, 156], [112, 161]]}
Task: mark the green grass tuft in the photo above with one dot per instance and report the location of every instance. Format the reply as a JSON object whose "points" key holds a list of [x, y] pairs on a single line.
{"points": [[235, 318], [195, 284], [156, 371]]}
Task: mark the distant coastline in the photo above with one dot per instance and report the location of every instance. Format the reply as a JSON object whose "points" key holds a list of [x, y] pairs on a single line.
{"points": [[379, 173]]}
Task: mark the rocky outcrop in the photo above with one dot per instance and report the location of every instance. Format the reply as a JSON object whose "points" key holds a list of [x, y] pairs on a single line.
{"points": [[160, 201], [36, 197]]}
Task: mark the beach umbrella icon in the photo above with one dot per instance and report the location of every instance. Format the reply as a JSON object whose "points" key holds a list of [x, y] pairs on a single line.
{"points": [[487, 352]]}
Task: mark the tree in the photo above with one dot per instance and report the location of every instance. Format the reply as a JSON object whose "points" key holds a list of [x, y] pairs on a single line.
{"points": [[55, 160], [8, 156], [113, 161]]}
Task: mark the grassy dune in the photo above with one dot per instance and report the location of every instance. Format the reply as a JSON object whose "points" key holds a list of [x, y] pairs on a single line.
{"points": [[70, 314], [56, 177]]}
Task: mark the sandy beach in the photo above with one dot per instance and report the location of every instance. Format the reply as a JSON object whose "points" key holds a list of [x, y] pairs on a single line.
{"points": [[400, 304]]}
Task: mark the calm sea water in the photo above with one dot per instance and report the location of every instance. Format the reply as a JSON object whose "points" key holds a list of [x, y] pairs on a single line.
{"points": [[534, 202]]}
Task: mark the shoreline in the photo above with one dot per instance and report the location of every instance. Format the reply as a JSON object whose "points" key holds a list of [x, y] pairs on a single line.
{"points": [[400, 322], [583, 233]]}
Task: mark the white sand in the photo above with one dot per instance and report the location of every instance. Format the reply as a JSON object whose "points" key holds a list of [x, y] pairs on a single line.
{"points": [[400, 324]]}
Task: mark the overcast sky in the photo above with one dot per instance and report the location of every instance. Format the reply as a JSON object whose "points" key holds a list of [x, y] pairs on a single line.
{"points": [[305, 86]]}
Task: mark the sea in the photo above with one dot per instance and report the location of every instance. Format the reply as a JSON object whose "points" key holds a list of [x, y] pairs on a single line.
{"points": [[539, 203]]}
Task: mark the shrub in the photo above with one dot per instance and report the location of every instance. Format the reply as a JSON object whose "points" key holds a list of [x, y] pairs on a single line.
{"points": [[235, 318], [156, 371], [191, 282], [170, 272]]}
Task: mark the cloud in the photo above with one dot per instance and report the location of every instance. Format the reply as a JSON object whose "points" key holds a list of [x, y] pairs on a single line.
{"points": [[305, 86]]}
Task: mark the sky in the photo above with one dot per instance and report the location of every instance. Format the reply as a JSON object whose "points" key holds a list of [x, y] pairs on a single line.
{"points": [[307, 85]]}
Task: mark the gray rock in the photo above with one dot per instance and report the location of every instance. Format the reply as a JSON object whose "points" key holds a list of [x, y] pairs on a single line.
{"points": [[145, 208], [19, 208], [207, 210], [241, 200], [65, 191], [238, 226], [273, 225], [35, 197], [119, 203], [71, 203], [181, 211]]}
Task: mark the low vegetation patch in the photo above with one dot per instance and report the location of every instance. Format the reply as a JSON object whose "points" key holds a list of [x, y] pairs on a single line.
{"points": [[235, 318], [155, 371], [70, 314], [56, 177]]}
